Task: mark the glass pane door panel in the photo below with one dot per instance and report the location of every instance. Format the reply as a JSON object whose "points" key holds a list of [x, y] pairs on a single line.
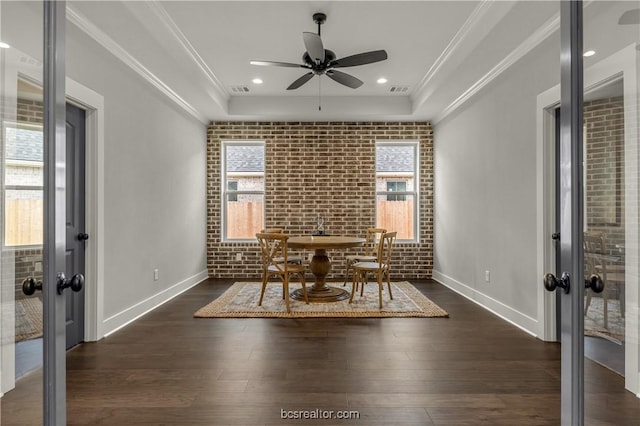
{"points": [[21, 210], [611, 34]]}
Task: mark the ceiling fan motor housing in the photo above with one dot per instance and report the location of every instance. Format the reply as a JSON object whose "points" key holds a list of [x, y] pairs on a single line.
{"points": [[319, 18], [319, 68]]}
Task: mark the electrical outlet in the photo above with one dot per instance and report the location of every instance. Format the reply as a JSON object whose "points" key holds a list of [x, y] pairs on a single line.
{"points": [[310, 257], [37, 267], [238, 256], [487, 276], [156, 275]]}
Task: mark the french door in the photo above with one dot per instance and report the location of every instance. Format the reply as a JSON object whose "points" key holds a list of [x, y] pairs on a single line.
{"points": [[597, 171], [571, 214], [34, 193]]}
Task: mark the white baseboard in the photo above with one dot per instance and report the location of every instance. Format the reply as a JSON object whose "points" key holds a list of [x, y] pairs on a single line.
{"points": [[132, 313], [520, 320]]}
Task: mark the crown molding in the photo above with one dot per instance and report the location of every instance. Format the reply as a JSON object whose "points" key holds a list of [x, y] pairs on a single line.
{"points": [[541, 34], [422, 90], [88, 27], [221, 95]]}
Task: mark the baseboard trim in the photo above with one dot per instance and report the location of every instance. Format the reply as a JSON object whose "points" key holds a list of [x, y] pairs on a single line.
{"points": [[116, 322], [520, 320]]}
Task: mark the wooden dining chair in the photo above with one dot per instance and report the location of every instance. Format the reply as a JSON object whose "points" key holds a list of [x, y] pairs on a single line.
{"points": [[293, 258], [381, 268], [370, 254], [274, 253], [597, 260]]}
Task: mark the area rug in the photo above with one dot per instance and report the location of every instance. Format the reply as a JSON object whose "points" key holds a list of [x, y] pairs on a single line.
{"points": [[28, 319], [241, 301], [594, 320]]}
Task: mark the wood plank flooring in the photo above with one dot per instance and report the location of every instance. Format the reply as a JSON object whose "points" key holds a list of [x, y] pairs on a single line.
{"points": [[168, 368]]}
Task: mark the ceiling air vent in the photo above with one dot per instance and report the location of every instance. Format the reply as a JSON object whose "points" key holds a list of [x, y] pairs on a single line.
{"points": [[398, 89], [239, 89]]}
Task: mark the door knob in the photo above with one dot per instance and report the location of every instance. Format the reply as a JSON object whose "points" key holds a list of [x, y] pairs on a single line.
{"points": [[75, 283], [551, 282], [82, 236], [30, 285], [555, 236], [595, 283]]}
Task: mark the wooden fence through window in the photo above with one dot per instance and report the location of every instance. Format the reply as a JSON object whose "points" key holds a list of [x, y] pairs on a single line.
{"points": [[396, 216], [244, 219], [23, 222]]}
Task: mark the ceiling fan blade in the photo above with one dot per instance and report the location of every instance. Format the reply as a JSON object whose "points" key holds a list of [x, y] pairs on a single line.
{"points": [[299, 82], [630, 17], [360, 59], [278, 64], [343, 78], [314, 46]]}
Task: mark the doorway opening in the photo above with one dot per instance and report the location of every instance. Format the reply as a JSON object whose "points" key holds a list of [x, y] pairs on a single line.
{"points": [[604, 223], [610, 219], [23, 162]]}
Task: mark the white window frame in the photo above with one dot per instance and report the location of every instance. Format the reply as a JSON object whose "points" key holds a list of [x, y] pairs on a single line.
{"points": [[223, 187], [415, 144]]}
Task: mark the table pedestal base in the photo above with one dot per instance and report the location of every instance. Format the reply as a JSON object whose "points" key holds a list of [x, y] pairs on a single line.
{"points": [[322, 295], [320, 291]]}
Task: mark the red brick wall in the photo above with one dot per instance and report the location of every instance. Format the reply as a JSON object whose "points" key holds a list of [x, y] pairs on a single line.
{"points": [[319, 168], [604, 122]]}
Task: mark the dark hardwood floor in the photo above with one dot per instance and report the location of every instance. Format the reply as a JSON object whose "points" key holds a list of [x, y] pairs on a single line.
{"points": [[168, 368]]}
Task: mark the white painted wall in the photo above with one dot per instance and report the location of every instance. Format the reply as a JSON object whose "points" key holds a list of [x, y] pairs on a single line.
{"points": [[485, 189], [485, 176], [154, 175], [155, 185]]}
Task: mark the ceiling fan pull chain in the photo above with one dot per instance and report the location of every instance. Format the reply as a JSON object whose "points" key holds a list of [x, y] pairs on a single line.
{"points": [[319, 93]]}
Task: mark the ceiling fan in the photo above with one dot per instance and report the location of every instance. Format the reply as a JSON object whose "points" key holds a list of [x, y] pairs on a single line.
{"points": [[321, 61]]}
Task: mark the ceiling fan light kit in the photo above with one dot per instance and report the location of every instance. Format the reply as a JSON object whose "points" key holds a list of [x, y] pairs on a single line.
{"points": [[320, 61]]}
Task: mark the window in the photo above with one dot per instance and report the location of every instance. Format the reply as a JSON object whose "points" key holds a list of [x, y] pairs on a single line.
{"points": [[232, 186], [242, 189], [23, 191], [397, 188]]}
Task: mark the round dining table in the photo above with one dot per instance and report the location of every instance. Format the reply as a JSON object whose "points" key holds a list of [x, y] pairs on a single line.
{"points": [[321, 265]]}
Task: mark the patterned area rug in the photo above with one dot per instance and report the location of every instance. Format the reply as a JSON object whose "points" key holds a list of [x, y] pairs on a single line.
{"points": [[28, 319], [241, 301], [594, 320]]}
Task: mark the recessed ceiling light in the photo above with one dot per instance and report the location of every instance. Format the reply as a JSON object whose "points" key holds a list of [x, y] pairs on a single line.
{"points": [[382, 80], [257, 81], [4, 45], [589, 53]]}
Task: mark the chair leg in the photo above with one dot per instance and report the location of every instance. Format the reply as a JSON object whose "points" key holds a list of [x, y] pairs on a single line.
{"points": [[285, 290], [363, 276], [379, 290], [304, 287], [358, 280], [588, 302], [389, 284], [346, 272], [264, 286], [353, 286], [605, 306]]}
